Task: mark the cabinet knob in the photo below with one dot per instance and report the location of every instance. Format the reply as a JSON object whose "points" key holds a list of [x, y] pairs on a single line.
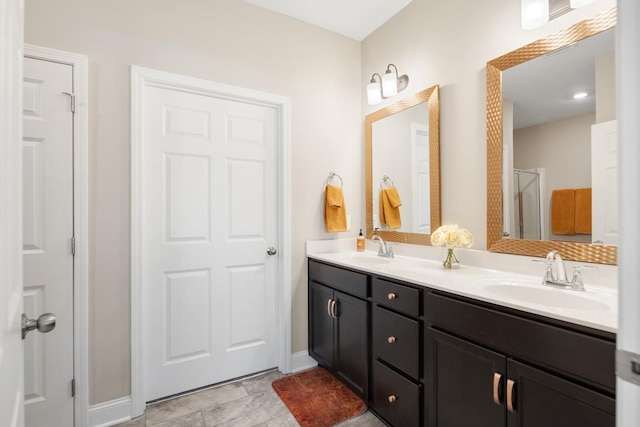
{"points": [[391, 340], [391, 398], [391, 296]]}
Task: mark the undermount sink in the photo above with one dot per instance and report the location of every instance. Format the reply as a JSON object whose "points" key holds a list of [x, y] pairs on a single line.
{"points": [[366, 260], [531, 291]]}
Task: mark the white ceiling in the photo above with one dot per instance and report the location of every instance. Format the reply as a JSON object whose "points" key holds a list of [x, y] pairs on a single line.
{"points": [[353, 18], [542, 89]]}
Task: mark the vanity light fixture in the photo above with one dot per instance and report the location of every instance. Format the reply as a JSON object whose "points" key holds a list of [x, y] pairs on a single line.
{"points": [[534, 13], [387, 86], [579, 3], [580, 95]]}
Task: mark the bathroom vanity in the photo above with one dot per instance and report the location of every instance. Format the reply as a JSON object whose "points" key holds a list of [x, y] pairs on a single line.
{"points": [[473, 347]]}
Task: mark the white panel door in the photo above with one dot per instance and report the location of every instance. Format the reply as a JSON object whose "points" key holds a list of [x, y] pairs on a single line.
{"points": [[421, 180], [47, 159], [11, 360], [209, 209], [604, 182]]}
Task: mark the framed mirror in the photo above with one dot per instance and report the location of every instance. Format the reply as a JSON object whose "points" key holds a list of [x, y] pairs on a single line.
{"points": [[402, 153], [539, 151]]}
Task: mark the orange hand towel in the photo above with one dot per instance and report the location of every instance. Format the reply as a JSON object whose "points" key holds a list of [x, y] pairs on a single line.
{"points": [[563, 211], [335, 214], [390, 207], [583, 211]]}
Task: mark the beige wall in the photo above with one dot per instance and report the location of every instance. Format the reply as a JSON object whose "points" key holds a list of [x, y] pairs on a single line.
{"points": [[227, 41], [605, 87], [449, 43], [392, 155], [563, 149]]}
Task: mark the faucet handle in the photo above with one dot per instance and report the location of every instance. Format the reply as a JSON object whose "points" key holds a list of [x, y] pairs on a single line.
{"points": [[390, 249], [548, 273], [576, 280]]}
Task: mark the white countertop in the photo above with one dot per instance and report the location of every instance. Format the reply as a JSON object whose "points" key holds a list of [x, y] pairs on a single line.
{"points": [[596, 308]]}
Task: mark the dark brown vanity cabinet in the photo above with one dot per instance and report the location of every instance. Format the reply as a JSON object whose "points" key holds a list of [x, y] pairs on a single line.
{"points": [[423, 357], [490, 368], [396, 341], [338, 323]]}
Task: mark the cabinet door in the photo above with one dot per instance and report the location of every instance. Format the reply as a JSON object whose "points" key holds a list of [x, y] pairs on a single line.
{"points": [[541, 399], [320, 324], [352, 355], [460, 381]]}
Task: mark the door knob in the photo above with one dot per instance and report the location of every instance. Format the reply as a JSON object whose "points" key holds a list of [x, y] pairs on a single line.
{"points": [[271, 250], [45, 323]]}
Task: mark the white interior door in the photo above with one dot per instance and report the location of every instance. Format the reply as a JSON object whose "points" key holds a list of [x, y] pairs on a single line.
{"points": [[209, 215], [11, 360], [604, 182], [421, 179], [47, 154]]}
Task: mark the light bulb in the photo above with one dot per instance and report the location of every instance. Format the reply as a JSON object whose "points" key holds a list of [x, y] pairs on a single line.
{"points": [[534, 13], [373, 93], [389, 85]]}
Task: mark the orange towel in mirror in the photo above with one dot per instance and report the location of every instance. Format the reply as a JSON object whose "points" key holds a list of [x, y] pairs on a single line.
{"points": [[583, 211], [390, 207], [563, 211], [335, 214]]}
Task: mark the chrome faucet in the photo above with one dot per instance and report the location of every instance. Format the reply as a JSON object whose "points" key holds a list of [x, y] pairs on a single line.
{"points": [[384, 249], [556, 273]]}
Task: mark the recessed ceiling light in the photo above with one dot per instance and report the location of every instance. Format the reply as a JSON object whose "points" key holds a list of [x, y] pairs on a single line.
{"points": [[580, 95]]}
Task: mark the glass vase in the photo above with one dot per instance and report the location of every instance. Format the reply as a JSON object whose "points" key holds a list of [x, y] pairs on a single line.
{"points": [[449, 259]]}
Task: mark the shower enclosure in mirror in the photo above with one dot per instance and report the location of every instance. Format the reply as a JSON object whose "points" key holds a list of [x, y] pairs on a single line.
{"points": [[402, 156], [551, 156]]}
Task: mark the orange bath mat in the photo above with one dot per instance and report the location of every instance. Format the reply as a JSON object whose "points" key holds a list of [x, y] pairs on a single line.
{"points": [[317, 399]]}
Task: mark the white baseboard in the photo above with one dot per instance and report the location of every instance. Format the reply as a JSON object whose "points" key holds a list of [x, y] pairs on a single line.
{"points": [[301, 361], [110, 413]]}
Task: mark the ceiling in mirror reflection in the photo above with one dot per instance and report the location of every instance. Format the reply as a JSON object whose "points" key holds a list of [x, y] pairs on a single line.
{"points": [[542, 89]]}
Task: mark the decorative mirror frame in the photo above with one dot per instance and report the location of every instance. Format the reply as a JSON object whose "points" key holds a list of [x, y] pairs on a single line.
{"points": [[432, 97], [586, 252]]}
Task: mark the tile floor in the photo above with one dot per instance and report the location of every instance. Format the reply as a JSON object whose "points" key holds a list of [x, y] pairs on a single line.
{"points": [[247, 403]]}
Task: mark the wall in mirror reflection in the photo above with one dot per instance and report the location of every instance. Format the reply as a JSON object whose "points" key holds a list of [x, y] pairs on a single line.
{"points": [[552, 141], [400, 151]]}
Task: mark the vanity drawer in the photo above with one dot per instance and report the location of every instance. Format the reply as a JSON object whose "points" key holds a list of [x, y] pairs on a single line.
{"points": [[396, 296], [337, 278], [394, 397], [584, 357], [396, 340]]}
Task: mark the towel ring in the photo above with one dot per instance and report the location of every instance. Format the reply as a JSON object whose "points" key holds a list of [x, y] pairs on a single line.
{"points": [[334, 175], [386, 180]]}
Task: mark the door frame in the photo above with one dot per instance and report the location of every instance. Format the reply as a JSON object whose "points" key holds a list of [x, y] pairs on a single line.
{"points": [[80, 66], [145, 77]]}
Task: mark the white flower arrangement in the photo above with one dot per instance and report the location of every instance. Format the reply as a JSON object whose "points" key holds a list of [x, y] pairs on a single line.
{"points": [[452, 236]]}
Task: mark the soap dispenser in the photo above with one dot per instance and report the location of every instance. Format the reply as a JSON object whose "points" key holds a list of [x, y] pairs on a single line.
{"points": [[360, 242]]}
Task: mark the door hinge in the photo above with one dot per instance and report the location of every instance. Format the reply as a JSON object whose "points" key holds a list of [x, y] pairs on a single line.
{"points": [[73, 246], [73, 387], [72, 97]]}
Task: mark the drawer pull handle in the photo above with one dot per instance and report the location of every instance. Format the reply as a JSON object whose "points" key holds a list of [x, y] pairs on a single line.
{"points": [[391, 340], [510, 406], [334, 314], [329, 301], [391, 398], [391, 296], [497, 380]]}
